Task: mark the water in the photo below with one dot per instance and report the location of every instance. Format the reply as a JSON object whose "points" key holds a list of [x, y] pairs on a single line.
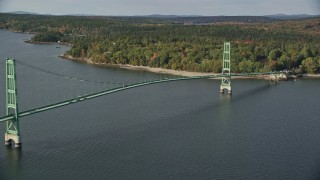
{"points": [[177, 130]]}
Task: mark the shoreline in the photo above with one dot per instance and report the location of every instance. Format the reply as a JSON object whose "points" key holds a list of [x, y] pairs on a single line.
{"points": [[311, 76], [173, 72], [60, 43], [157, 70]]}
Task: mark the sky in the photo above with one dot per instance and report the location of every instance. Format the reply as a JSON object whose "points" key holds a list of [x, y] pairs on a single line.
{"points": [[164, 7]]}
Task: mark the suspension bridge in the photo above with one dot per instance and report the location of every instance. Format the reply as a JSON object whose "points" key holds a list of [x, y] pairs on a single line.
{"points": [[13, 115]]}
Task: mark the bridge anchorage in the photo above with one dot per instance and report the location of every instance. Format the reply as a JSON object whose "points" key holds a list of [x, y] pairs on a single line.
{"points": [[226, 70], [12, 128]]}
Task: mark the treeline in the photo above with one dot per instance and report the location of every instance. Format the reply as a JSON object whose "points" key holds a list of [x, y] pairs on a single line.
{"points": [[166, 43], [51, 36]]}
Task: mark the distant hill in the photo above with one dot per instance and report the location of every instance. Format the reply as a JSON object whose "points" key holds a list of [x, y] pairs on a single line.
{"points": [[25, 12], [294, 16], [220, 19], [22, 12], [170, 16], [198, 19], [212, 19]]}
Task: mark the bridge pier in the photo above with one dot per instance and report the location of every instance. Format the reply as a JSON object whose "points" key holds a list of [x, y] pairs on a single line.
{"points": [[9, 138], [228, 88]]}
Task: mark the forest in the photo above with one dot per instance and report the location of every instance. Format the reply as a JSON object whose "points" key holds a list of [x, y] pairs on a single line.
{"points": [[259, 44]]}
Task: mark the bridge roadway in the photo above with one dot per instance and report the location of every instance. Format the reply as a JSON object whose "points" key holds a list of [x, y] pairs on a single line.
{"points": [[121, 88]]}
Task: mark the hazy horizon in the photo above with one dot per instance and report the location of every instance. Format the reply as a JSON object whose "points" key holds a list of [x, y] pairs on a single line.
{"points": [[181, 15], [163, 7]]}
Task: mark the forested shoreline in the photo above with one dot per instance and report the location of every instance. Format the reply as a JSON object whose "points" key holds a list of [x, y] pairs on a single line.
{"points": [[258, 44]]}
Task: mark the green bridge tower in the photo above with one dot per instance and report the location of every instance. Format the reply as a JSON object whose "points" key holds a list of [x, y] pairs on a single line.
{"points": [[226, 69], [12, 131]]}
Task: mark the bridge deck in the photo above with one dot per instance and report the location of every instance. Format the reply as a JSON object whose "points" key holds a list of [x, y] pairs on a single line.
{"points": [[122, 88]]}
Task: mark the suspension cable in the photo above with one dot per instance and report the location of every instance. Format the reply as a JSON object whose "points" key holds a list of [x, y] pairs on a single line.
{"points": [[62, 75]]}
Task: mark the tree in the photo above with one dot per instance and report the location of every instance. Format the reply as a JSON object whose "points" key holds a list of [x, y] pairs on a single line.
{"points": [[246, 66], [284, 60], [48, 37], [275, 54], [259, 53], [310, 65], [306, 52]]}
